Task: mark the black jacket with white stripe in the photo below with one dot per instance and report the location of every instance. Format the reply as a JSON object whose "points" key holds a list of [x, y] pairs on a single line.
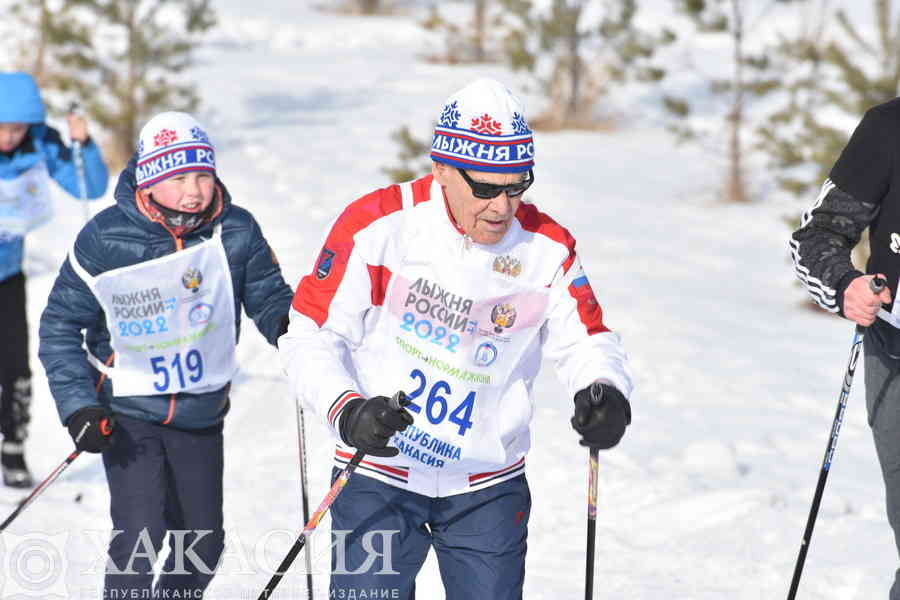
{"points": [[863, 190], [821, 247]]}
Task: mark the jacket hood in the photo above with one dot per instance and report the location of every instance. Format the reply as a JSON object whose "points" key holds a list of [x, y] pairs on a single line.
{"points": [[21, 99], [26, 155], [127, 202]]}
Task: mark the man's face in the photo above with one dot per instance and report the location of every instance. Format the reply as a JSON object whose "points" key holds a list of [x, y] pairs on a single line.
{"points": [[486, 221], [11, 135], [187, 192]]}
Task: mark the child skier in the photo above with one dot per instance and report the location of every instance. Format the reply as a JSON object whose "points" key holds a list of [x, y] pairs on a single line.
{"points": [[31, 153], [157, 283]]}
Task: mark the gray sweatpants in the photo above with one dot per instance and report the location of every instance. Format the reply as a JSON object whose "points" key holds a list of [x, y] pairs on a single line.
{"points": [[882, 356]]}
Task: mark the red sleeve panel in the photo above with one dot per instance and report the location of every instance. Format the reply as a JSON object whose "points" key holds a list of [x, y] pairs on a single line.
{"points": [[316, 290], [422, 189], [533, 220], [589, 309], [380, 276]]}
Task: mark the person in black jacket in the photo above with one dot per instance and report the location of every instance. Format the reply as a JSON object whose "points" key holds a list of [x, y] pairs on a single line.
{"points": [[157, 283], [863, 190]]}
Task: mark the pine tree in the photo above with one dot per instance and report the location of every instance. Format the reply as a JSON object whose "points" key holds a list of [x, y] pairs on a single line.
{"points": [[413, 156], [479, 29], [368, 7], [585, 59], [52, 40], [122, 85], [470, 42], [844, 73], [751, 77], [360, 7], [560, 32]]}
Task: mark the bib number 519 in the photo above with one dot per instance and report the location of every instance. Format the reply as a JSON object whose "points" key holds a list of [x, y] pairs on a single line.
{"points": [[191, 365]]}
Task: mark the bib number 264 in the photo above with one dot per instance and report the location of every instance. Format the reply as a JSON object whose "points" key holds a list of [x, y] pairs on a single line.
{"points": [[437, 406], [189, 366]]}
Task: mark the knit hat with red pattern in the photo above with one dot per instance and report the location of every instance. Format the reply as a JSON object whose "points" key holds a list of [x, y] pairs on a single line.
{"points": [[172, 143], [482, 127]]}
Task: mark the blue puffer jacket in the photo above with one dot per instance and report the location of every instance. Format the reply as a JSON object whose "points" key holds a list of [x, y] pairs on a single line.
{"points": [[121, 236], [21, 103]]}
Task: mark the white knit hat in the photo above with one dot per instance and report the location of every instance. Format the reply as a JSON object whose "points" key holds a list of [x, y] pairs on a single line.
{"points": [[482, 127], [172, 143]]}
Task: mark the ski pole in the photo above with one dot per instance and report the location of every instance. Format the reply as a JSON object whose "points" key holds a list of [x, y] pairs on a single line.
{"points": [[594, 455], [39, 489], [105, 428], [397, 402], [301, 442], [79, 169], [876, 285]]}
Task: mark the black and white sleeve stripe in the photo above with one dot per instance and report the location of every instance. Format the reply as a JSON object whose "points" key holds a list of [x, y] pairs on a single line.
{"points": [[820, 248]]}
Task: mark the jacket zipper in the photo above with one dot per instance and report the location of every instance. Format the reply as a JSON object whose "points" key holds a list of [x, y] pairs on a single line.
{"points": [[179, 246]]}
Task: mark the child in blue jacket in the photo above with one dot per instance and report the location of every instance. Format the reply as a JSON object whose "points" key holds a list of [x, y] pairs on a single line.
{"points": [[156, 283], [31, 153]]}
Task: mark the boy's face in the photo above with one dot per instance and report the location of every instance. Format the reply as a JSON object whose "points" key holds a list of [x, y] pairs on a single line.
{"points": [[11, 135], [187, 192]]}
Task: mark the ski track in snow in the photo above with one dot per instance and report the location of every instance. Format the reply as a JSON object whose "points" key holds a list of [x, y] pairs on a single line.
{"points": [[707, 495]]}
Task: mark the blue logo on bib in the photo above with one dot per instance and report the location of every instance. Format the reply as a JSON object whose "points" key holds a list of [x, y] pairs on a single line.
{"points": [[486, 354], [200, 314]]}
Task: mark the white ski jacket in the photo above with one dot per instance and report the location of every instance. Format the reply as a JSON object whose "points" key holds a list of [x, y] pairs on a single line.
{"points": [[400, 299]]}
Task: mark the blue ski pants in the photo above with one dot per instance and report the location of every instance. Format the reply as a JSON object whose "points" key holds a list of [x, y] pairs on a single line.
{"points": [[479, 538], [163, 479]]}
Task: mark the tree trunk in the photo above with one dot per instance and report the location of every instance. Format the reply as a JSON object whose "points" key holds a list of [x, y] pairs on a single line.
{"points": [[130, 112], [573, 13], [368, 7], [813, 40], [43, 27], [480, 15], [735, 188]]}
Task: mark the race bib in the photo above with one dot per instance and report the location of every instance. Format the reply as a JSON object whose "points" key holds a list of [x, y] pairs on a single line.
{"points": [[25, 202], [171, 322]]}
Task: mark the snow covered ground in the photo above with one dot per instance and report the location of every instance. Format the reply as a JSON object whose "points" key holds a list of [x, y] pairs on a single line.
{"points": [[707, 495]]}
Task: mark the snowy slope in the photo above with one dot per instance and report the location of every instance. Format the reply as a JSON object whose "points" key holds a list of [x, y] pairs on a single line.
{"points": [[707, 495]]}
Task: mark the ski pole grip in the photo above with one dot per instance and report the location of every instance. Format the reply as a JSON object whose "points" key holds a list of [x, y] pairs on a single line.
{"points": [[399, 400], [598, 399], [876, 284]]}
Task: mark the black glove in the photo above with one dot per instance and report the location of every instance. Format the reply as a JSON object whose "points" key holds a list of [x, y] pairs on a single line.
{"points": [[91, 428], [368, 423], [601, 415]]}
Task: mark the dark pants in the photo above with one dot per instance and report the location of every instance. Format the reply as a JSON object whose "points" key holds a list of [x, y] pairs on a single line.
{"points": [[882, 347], [15, 376], [479, 538], [164, 479]]}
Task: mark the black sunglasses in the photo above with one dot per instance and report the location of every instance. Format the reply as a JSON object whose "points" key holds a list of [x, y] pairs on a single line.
{"points": [[486, 191]]}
